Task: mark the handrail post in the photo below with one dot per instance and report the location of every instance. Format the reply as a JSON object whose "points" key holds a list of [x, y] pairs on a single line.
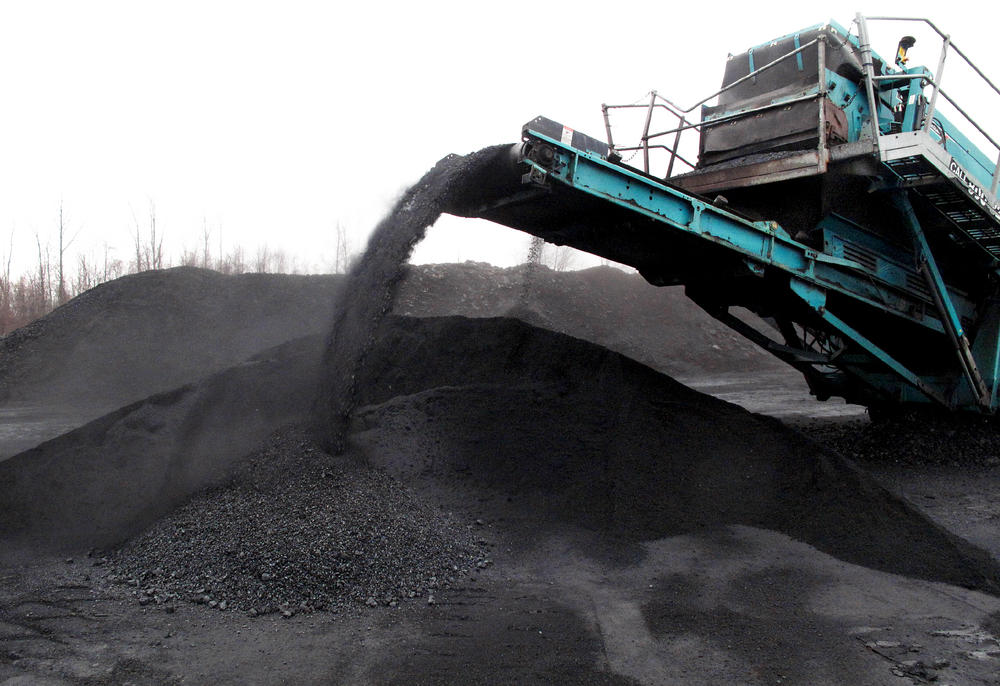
{"points": [[822, 90], [607, 127], [937, 84], [869, 67], [677, 142], [645, 132]]}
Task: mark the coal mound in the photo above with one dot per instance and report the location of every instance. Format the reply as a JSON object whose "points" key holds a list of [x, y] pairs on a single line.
{"points": [[151, 332], [105, 480], [300, 530], [94, 352], [575, 432]]}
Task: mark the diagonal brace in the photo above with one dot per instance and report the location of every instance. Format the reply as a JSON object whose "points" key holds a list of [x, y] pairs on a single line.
{"points": [[946, 309], [816, 299]]}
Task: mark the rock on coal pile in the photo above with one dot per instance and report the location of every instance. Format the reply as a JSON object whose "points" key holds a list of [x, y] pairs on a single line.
{"points": [[575, 432], [300, 530]]}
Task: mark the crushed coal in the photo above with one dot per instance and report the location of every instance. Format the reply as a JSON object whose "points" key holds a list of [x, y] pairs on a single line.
{"points": [[300, 530], [536, 426], [913, 438]]}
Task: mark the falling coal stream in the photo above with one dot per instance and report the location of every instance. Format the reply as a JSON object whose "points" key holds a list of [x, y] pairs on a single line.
{"points": [[455, 182]]}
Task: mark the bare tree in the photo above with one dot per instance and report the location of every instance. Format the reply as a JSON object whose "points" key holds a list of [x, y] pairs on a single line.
{"points": [[262, 261], [206, 235], [341, 250], [155, 241], [112, 268], [234, 262], [86, 276], [43, 290], [6, 289], [560, 257], [190, 258], [62, 293], [148, 247]]}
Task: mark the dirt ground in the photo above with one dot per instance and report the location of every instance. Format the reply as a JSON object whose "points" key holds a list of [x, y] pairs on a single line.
{"points": [[560, 604]]}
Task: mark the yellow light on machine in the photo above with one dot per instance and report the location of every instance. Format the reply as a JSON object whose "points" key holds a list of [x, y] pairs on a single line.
{"points": [[905, 43]]}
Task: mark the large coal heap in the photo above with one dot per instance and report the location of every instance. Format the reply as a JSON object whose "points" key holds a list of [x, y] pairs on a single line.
{"points": [[145, 333], [573, 432]]}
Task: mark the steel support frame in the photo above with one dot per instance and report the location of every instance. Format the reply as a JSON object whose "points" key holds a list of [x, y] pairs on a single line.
{"points": [[815, 298], [765, 243], [812, 274], [946, 309]]}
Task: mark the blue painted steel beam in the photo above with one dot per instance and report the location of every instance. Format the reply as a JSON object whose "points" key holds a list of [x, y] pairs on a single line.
{"points": [[928, 265], [764, 241]]}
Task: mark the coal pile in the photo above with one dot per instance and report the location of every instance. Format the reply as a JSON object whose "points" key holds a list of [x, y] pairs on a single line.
{"points": [[535, 426], [152, 332], [297, 531], [660, 327], [93, 352], [568, 431], [106, 480]]}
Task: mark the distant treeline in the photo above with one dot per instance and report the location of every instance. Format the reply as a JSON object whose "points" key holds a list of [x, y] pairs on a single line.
{"points": [[59, 276], [53, 282]]}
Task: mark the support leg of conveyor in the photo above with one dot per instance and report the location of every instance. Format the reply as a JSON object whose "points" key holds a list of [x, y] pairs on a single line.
{"points": [[946, 310]]}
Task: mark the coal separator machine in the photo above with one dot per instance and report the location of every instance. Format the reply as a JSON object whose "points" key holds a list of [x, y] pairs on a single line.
{"points": [[829, 195]]}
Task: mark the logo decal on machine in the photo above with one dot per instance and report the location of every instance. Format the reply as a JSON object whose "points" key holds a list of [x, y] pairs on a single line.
{"points": [[977, 192]]}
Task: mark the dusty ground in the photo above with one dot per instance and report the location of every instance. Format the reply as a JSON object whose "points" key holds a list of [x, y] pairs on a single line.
{"points": [[731, 605]]}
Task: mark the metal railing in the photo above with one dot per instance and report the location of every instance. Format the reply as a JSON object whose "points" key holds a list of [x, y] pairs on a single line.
{"points": [[946, 45], [684, 120], [682, 116]]}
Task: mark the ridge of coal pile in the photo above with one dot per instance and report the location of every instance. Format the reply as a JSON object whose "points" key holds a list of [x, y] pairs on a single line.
{"points": [[299, 530], [564, 430], [658, 326], [93, 352]]}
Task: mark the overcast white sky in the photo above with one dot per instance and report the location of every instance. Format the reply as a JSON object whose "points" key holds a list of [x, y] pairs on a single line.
{"points": [[273, 121]]}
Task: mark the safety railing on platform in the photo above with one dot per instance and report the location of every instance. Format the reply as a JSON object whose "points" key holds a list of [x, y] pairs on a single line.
{"points": [[684, 116], [935, 82], [684, 119]]}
